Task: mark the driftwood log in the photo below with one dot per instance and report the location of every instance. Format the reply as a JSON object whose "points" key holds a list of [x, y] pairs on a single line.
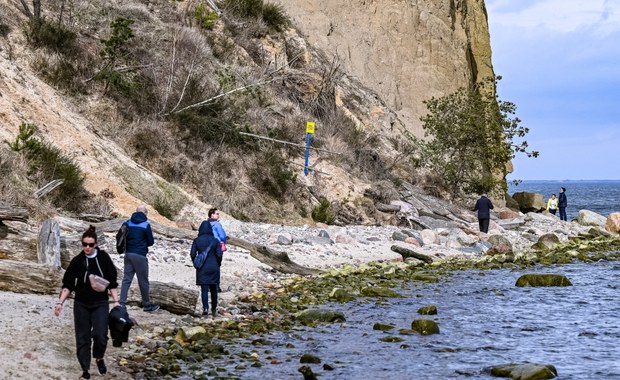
{"points": [[48, 247], [174, 298], [10, 212], [29, 277], [406, 253]]}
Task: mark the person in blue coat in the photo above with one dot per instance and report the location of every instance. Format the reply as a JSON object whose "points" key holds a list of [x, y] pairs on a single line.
{"points": [[484, 207], [208, 276], [136, 262]]}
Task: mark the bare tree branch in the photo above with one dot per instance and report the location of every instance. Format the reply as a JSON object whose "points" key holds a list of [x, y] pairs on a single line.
{"points": [[213, 98], [26, 9], [189, 75]]}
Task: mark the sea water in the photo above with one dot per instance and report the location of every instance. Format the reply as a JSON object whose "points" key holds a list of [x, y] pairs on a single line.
{"points": [[602, 197], [484, 320]]}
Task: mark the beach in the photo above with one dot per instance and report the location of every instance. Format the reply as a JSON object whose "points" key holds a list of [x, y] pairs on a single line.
{"points": [[36, 344]]}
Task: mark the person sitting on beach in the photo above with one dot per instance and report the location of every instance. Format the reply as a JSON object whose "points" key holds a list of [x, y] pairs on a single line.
{"points": [[552, 204], [90, 308]]}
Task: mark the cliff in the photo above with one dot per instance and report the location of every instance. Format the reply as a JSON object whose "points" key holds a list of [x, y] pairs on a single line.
{"points": [[406, 51]]}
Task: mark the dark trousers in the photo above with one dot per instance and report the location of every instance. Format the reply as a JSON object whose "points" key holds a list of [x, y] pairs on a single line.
{"points": [[562, 213], [484, 224], [91, 328], [204, 294], [553, 210], [135, 264]]}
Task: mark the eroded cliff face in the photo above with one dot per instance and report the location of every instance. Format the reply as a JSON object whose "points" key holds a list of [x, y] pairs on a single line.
{"points": [[406, 51]]}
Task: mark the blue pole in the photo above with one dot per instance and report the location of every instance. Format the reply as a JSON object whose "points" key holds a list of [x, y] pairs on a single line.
{"points": [[308, 137]]}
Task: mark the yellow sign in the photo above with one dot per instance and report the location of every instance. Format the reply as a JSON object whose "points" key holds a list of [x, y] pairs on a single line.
{"points": [[310, 127]]}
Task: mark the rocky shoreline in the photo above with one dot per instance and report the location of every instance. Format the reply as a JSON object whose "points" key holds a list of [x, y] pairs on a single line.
{"points": [[257, 299]]}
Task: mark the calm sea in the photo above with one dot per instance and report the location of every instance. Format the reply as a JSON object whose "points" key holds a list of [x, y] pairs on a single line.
{"points": [[602, 197]]}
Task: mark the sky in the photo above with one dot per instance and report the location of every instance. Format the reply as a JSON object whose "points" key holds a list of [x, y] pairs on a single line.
{"points": [[560, 64]]}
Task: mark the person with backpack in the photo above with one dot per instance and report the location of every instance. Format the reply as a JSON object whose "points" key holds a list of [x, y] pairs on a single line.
{"points": [[138, 240], [206, 254]]}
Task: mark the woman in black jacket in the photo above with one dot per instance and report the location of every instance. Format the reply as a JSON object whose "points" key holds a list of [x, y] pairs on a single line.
{"points": [[208, 275], [90, 307]]}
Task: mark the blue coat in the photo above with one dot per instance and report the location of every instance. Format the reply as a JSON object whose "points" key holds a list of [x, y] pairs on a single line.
{"points": [[209, 274], [139, 234]]}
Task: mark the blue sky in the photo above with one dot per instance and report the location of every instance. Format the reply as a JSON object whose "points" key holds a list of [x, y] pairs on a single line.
{"points": [[560, 63]]}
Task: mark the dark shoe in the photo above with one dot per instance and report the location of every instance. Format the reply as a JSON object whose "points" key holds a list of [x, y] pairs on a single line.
{"points": [[151, 307], [85, 375], [101, 366], [213, 313], [205, 313]]}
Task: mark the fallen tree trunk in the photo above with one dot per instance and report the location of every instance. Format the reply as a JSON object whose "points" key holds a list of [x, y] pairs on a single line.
{"points": [[10, 212], [174, 298], [406, 253], [28, 277], [277, 260]]}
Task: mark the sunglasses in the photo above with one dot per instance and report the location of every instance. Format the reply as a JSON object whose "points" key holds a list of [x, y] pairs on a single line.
{"points": [[88, 244]]}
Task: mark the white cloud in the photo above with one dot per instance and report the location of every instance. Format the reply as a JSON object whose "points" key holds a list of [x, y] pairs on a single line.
{"points": [[563, 16]]}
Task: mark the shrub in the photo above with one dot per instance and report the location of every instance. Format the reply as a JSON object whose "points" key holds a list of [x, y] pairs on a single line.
{"points": [[47, 163], [275, 17], [323, 213], [244, 8], [272, 175], [53, 36], [206, 18], [169, 201], [4, 29]]}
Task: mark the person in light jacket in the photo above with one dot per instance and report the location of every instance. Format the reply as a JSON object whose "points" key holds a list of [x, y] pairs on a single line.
{"points": [[484, 207], [208, 276], [552, 204]]}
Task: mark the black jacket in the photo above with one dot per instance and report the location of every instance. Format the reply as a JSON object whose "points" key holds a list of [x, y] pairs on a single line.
{"points": [[76, 276], [119, 324], [484, 207], [562, 202]]}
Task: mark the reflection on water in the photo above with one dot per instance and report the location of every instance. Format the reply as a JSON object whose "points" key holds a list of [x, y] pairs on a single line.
{"points": [[484, 320]]}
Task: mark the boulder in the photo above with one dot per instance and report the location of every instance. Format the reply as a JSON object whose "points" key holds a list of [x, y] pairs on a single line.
{"points": [[508, 214], [311, 316], [613, 223], [499, 245], [590, 218], [543, 279], [529, 201], [425, 326], [525, 371], [428, 310], [429, 237], [510, 202], [379, 292], [547, 242]]}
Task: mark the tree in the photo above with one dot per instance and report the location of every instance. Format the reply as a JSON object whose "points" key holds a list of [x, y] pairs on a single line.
{"points": [[472, 137]]}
